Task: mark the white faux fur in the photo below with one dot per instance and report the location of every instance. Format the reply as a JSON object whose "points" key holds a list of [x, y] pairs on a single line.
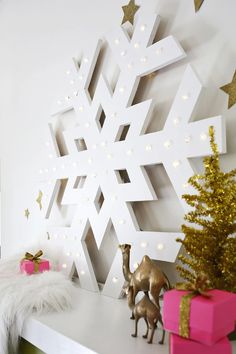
{"points": [[22, 295]]}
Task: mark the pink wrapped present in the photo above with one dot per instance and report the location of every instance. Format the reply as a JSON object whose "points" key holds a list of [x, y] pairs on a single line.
{"points": [[33, 264], [210, 318], [179, 345]]}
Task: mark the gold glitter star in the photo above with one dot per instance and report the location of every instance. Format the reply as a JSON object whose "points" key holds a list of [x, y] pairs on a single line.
{"points": [[129, 12], [27, 213], [198, 4], [230, 89], [39, 200]]}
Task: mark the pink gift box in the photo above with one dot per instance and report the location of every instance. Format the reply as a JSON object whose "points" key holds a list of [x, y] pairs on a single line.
{"points": [[179, 345], [28, 267], [210, 318]]}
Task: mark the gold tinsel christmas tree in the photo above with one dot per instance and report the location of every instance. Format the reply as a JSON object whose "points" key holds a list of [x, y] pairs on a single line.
{"points": [[210, 245]]}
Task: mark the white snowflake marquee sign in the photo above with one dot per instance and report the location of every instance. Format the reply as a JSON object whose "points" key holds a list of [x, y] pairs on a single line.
{"points": [[108, 151]]}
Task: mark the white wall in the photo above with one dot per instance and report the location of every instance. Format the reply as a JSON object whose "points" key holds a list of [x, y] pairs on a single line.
{"points": [[37, 40]]}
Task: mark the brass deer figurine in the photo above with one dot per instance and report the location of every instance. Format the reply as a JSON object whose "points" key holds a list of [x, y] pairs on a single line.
{"points": [[147, 277], [146, 309]]}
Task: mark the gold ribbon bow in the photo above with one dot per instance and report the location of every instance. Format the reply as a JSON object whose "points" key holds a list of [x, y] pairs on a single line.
{"points": [[34, 258], [199, 287]]}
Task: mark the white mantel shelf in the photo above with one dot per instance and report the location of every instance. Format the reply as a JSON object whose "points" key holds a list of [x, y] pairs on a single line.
{"points": [[97, 324]]}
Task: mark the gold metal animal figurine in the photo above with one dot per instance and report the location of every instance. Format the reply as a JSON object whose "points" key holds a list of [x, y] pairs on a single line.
{"points": [[146, 309], [147, 277]]}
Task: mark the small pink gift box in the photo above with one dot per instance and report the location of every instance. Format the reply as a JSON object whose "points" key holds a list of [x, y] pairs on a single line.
{"points": [[29, 267], [210, 318], [179, 345]]}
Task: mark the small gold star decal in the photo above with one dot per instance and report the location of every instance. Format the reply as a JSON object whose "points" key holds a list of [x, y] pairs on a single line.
{"points": [[230, 89], [129, 12], [198, 4], [39, 200], [27, 213]]}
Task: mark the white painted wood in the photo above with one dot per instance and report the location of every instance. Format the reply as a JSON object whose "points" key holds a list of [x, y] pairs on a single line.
{"points": [[97, 167], [97, 324]]}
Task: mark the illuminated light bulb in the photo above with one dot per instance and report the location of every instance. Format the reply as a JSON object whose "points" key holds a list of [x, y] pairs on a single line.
{"points": [[54, 168], [123, 53], [160, 246], [122, 89], [135, 265], [143, 244], [159, 50], [59, 102], [50, 156], [130, 65], [176, 163], [148, 147], [187, 139], [143, 59], [129, 152], [81, 77], [109, 156], [81, 108], [103, 143], [203, 136], [64, 265], [116, 41], [40, 171], [113, 115], [46, 170], [121, 221], [74, 164], [185, 185], [176, 121], [142, 28], [136, 45], [185, 96], [72, 82], [82, 272], [90, 160], [67, 98], [87, 125], [167, 144], [68, 72], [115, 280], [86, 60]]}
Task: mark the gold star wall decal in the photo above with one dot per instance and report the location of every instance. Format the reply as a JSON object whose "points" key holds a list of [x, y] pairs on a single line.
{"points": [[27, 213], [198, 4], [129, 12], [230, 89], [39, 200]]}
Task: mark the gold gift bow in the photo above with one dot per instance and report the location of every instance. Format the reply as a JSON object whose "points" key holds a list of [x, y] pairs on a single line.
{"points": [[34, 258], [199, 287]]}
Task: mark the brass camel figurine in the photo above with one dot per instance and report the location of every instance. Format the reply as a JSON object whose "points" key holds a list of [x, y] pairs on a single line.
{"points": [[146, 309], [147, 277]]}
